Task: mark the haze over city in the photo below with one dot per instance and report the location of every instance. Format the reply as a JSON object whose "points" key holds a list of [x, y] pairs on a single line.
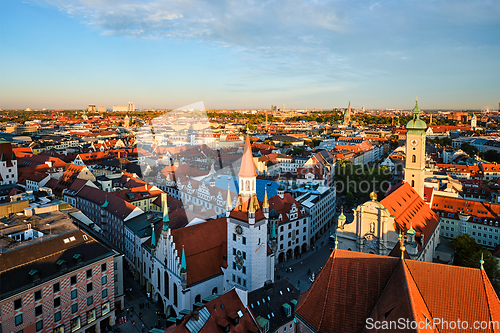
{"points": [[319, 54]]}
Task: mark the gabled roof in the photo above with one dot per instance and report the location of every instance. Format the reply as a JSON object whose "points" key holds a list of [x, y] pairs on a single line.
{"points": [[410, 210], [205, 245], [284, 205], [223, 312], [356, 286]]}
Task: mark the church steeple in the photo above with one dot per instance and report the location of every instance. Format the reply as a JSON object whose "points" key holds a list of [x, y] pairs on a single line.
{"points": [[247, 175], [165, 212], [229, 204]]}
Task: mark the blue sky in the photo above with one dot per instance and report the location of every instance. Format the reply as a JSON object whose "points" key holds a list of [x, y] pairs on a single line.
{"points": [[250, 54]]}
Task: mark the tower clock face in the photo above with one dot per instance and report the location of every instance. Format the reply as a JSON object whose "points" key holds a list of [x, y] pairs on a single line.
{"points": [[239, 230], [414, 142]]}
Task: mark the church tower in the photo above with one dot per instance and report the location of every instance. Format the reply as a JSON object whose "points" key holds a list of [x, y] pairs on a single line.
{"points": [[347, 115], [415, 152], [473, 122], [248, 263]]}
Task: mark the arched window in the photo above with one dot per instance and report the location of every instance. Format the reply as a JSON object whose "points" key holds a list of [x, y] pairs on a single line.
{"points": [[175, 295], [214, 291], [167, 289], [413, 158], [247, 186], [159, 280], [197, 299]]}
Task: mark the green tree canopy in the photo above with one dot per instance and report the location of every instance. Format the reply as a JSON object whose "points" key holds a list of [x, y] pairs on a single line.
{"points": [[468, 254]]}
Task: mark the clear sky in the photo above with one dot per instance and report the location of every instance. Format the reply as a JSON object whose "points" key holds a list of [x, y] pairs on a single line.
{"points": [[250, 53]]}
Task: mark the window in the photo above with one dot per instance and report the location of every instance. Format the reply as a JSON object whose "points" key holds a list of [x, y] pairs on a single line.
{"points": [[59, 329], [57, 316], [244, 255], [89, 273], [74, 293], [57, 302], [90, 300], [89, 287], [244, 270], [39, 325], [38, 310], [104, 280], [75, 324], [105, 308], [56, 287], [18, 303], [38, 295], [18, 319], [73, 280], [105, 293], [103, 267], [74, 308], [90, 316], [234, 237], [244, 240]]}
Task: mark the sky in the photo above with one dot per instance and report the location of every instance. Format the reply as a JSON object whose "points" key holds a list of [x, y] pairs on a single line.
{"points": [[304, 54]]}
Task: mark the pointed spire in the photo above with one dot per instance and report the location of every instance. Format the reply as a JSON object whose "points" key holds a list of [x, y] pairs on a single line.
{"points": [[251, 206], [265, 204], [229, 204], [106, 203], [153, 237], [165, 211], [481, 262], [183, 261], [247, 168], [273, 230]]}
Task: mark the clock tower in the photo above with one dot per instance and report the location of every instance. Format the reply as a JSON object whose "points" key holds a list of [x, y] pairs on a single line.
{"points": [[415, 152], [249, 263]]}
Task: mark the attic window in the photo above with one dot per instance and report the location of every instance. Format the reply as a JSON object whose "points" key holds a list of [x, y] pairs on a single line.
{"points": [[60, 262], [85, 237], [77, 256], [240, 314], [33, 272]]}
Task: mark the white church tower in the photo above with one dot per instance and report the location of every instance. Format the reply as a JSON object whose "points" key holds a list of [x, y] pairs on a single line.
{"points": [[250, 263], [415, 152]]}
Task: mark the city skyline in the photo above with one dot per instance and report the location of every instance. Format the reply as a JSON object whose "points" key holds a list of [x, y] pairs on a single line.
{"points": [[66, 55]]}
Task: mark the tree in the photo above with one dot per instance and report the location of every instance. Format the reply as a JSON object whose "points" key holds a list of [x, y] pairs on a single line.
{"points": [[350, 199], [468, 254], [469, 149]]}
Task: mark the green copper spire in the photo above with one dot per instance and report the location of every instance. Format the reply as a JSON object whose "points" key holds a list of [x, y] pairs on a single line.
{"points": [[106, 203], [273, 229], [183, 261], [416, 123], [153, 238], [411, 231], [481, 261]]}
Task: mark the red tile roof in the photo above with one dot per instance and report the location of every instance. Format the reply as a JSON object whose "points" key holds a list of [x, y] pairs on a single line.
{"points": [[204, 255], [409, 209], [358, 286], [223, 311]]}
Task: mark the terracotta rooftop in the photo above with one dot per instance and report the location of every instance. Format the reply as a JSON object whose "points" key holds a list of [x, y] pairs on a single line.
{"points": [[410, 210], [358, 286]]}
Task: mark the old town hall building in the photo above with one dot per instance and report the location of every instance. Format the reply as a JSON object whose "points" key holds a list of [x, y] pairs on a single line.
{"points": [[185, 265]]}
